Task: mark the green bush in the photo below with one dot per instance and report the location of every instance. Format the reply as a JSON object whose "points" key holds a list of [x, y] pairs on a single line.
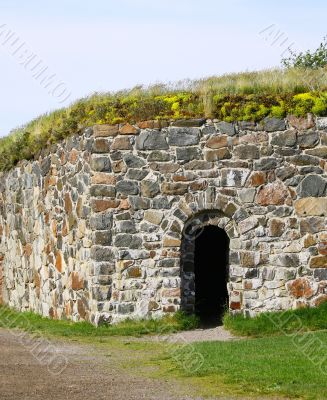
{"points": [[308, 59]]}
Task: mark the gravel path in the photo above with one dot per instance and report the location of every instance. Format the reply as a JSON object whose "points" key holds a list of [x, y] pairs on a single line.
{"points": [[200, 335]]}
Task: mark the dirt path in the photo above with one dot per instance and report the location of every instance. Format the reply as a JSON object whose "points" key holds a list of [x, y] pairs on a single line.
{"points": [[27, 373], [35, 368]]}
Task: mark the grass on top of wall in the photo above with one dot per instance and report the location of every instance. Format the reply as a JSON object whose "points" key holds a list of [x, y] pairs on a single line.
{"points": [[276, 323], [248, 96], [34, 323]]}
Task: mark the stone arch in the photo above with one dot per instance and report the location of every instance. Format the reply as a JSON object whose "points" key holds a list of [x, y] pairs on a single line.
{"points": [[193, 228]]}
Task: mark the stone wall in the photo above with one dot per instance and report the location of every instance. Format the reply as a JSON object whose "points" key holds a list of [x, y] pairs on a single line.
{"points": [[100, 228]]}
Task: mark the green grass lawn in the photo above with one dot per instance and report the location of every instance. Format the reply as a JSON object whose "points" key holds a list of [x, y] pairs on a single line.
{"points": [[268, 324], [278, 365], [35, 323]]}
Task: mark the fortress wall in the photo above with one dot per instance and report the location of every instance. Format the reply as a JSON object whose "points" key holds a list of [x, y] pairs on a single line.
{"points": [[99, 228]]}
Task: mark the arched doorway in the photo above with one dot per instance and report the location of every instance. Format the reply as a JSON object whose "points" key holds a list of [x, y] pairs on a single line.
{"points": [[211, 252]]}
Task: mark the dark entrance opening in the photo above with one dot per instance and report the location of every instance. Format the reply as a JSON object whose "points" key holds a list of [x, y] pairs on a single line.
{"points": [[211, 274]]}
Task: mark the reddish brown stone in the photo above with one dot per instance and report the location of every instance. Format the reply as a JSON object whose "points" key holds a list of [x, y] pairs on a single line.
{"points": [[254, 138], [300, 288], [73, 156], [272, 194], [235, 305], [105, 130], [165, 168], [101, 178], [37, 283], [118, 166], [174, 188], [124, 204], [309, 241], [100, 146], [68, 308], [103, 205], [77, 281], [28, 249], [200, 185], [247, 259], [322, 248], [59, 262], [216, 155], [64, 231], [276, 227], [153, 305], [68, 204], [121, 143], [248, 285], [169, 309], [128, 129], [152, 124], [318, 262], [217, 142], [134, 272], [257, 179], [301, 123], [171, 242], [176, 292], [320, 300], [81, 309]]}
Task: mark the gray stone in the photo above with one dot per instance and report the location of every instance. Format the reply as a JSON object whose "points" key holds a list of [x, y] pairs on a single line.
{"points": [[149, 188], [151, 140], [265, 164], [45, 166], [285, 172], [139, 203], [126, 227], [274, 124], [233, 177], [322, 123], [100, 253], [307, 139], [284, 139], [127, 188], [183, 136], [226, 128], [127, 240], [159, 156], [188, 153], [304, 159], [102, 191], [137, 174], [103, 238], [189, 122], [312, 225], [247, 152], [101, 221], [101, 164], [320, 273], [133, 161], [247, 195], [312, 186]]}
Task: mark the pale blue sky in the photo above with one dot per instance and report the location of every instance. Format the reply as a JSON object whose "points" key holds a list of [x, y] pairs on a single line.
{"points": [[109, 45]]}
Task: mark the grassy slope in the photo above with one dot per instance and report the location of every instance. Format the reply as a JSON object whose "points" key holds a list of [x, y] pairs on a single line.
{"points": [[35, 323], [268, 324], [258, 367], [249, 96]]}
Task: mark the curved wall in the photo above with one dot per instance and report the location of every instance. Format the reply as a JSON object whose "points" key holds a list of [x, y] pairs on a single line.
{"points": [[95, 227]]}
